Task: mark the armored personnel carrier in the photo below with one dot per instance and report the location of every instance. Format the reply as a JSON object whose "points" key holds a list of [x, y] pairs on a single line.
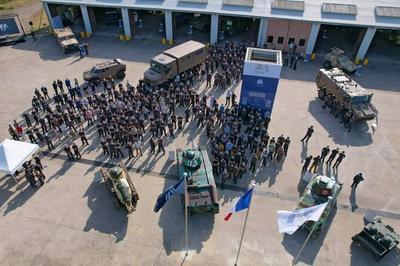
{"points": [[336, 58], [109, 69], [201, 189], [348, 93], [319, 190], [378, 238], [66, 39], [119, 183]]}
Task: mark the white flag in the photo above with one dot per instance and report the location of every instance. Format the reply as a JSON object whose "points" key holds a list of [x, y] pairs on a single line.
{"points": [[290, 221]]}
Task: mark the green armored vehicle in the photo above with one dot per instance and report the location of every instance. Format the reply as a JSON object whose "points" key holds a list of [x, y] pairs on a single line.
{"points": [[201, 188], [336, 58], [119, 183], [319, 190], [348, 93], [377, 238]]}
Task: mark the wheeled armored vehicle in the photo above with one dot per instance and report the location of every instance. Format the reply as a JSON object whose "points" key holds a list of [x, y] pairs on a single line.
{"points": [[337, 59], [120, 185], [201, 189], [66, 39], [346, 92], [109, 69]]}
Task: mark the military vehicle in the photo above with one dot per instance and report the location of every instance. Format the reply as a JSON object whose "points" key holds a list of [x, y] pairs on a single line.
{"points": [[347, 92], [119, 183], [66, 39], [110, 69], [174, 61], [378, 238], [336, 58], [319, 190], [201, 189]]}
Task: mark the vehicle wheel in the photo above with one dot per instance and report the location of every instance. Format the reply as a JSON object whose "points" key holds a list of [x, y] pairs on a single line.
{"points": [[321, 93], [121, 75], [327, 65], [65, 51]]}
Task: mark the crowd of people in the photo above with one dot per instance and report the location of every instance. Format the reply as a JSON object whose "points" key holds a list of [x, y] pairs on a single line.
{"points": [[126, 118]]}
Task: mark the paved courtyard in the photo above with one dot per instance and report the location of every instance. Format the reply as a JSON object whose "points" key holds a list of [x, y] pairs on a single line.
{"points": [[71, 219]]}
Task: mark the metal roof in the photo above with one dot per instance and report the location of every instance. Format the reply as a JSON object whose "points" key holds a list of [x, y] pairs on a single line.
{"points": [[366, 15], [184, 49]]}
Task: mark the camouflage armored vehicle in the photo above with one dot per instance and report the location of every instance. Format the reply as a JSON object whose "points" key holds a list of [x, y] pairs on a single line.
{"points": [[336, 58], [66, 39], [119, 183], [378, 238], [319, 190], [201, 189], [348, 93], [109, 69]]}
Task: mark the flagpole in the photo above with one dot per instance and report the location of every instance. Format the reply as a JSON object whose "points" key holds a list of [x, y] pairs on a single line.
{"points": [[186, 218], [308, 237], [252, 185]]}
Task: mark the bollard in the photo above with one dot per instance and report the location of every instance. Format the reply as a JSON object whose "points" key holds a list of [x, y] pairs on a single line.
{"points": [[357, 61], [88, 34], [313, 56], [83, 34], [163, 41], [365, 61], [171, 41]]}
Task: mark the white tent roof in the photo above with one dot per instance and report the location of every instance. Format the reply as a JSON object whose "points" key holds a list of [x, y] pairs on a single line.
{"points": [[14, 153]]}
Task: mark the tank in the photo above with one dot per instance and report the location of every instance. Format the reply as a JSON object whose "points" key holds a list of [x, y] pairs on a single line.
{"points": [[348, 93], [319, 190], [336, 58], [201, 189], [377, 237], [120, 185]]}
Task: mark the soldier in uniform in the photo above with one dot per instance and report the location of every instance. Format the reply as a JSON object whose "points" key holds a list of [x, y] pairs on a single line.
{"points": [[83, 138], [68, 151], [130, 150], [340, 158], [306, 163], [215, 166], [76, 151], [324, 153], [333, 155], [104, 146], [356, 180]]}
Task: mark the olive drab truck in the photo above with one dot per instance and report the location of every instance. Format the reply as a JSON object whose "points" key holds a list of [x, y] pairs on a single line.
{"points": [[352, 96], [174, 61]]}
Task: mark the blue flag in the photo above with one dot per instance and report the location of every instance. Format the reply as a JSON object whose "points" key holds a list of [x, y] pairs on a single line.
{"points": [[166, 195]]}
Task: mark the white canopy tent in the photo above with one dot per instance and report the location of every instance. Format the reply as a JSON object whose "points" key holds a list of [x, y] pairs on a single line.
{"points": [[13, 154]]}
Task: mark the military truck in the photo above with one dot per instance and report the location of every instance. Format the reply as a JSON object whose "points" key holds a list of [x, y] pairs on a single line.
{"points": [[319, 190], [336, 58], [66, 39], [174, 61], [110, 69], [120, 185], [201, 189], [352, 96], [377, 237]]}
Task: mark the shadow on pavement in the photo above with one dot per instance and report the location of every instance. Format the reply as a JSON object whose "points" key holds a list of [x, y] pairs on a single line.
{"points": [[360, 256], [293, 243], [19, 200], [105, 218], [359, 135]]}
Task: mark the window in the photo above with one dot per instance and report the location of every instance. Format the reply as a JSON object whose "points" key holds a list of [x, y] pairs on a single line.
{"points": [[291, 40], [280, 40], [302, 42], [270, 39]]}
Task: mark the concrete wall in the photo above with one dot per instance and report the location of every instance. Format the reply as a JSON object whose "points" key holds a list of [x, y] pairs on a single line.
{"points": [[288, 29]]}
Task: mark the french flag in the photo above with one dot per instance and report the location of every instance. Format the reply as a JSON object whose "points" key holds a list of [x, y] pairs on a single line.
{"points": [[241, 204]]}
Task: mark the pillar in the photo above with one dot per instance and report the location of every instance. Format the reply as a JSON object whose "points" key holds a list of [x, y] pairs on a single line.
{"points": [[312, 39], [168, 26], [262, 32], [47, 10], [126, 21], [86, 20], [362, 51], [214, 29]]}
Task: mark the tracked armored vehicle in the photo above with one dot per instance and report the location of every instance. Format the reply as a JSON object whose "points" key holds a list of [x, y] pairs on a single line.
{"points": [[319, 190], [120, 185], [336, 87], [378, 238], [201, 189]]}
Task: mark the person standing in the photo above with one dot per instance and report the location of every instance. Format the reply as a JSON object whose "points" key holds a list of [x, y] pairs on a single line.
{"points": [[86, 48], [160, 143], [76, 151], [356, 180], [341, 156], [253, 162], [333, 155], [38, 161], [138, 147], [308, 135], [314, 165], [48, 141], [296, 59], [83, 138], [68, 151], [152, 145], [286, 145], [306, 163], [324, 153]]}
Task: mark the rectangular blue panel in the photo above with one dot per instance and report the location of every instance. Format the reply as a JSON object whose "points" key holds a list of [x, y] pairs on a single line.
{"points": [[258, 92], [8, 26]]}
